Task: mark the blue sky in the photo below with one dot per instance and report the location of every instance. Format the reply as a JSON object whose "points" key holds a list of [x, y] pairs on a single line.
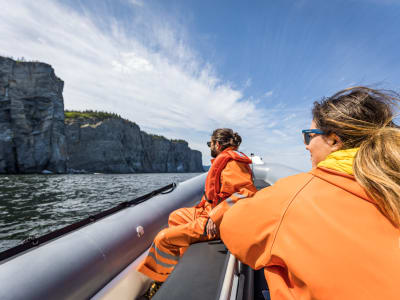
{"points": [[183, 68]]}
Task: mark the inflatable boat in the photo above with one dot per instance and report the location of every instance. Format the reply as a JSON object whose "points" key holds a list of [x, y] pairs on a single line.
{"points": [[96, 259]]}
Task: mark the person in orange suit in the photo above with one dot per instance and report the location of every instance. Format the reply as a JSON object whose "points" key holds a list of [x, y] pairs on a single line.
{"points": [[331, 233], [228, 181]]}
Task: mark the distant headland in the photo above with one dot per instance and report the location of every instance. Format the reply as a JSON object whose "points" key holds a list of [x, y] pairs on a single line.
{"points": [[38, 136]]}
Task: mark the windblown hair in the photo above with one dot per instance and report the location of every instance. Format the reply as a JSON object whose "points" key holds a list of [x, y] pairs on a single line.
{"points": [[226, 138], [363, 117]]}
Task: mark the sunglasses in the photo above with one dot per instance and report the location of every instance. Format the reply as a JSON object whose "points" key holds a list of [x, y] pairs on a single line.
{"points": [[306, 134], [209, 144]]}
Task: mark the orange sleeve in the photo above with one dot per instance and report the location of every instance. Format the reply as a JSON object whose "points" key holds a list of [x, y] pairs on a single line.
{"points": [[247, 229], [236, 184]]}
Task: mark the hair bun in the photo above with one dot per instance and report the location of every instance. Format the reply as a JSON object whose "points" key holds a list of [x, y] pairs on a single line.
{"points": [[226, 137], [237, 139]]}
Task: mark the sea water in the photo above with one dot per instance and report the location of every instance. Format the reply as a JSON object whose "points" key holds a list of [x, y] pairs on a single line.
{"points": [[33, 205]]}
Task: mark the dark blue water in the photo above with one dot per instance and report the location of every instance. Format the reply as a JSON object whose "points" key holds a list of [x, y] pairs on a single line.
{"points": [[32, 205]]}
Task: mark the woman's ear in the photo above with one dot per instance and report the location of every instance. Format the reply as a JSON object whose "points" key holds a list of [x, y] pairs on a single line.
{"points": [[335, 142]]}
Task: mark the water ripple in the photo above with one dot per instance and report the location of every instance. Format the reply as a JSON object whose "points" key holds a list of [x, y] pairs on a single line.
{"points": [[32, 205]]}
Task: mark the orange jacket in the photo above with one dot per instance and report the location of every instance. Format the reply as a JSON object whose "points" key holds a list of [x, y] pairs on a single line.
{"points": [[212, 190], [229, 180], [318, 236]]}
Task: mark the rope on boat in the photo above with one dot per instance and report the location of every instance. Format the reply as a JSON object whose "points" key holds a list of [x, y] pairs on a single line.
{"points": [[33, 241]]}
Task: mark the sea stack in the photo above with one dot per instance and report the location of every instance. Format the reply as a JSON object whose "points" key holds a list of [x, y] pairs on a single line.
{"points": [[32, 137]]}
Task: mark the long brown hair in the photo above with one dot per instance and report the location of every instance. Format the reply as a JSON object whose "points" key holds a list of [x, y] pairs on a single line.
{"points": [[226, 138], [363, 117]]}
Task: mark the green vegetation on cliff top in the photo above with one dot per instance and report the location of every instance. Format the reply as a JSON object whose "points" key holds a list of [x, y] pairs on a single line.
{"points": [[91, 114], [102, 115]]}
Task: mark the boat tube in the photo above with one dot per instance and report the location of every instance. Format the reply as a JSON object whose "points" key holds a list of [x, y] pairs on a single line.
{"points": [[98, 261]]}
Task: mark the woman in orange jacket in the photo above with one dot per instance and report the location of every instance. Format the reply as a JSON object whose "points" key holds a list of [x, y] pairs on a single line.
{"points": [[331, 233], [228, 181]]}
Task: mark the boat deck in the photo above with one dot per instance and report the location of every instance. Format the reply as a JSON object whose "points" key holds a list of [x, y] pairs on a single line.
{"points": [[201, 274], [201, 269]]}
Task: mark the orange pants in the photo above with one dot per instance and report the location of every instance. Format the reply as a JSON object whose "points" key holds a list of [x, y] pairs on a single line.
{"points": [[185, 227]]}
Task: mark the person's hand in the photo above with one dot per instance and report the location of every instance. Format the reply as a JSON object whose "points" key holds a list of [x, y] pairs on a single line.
{"points": [[212, 229]]}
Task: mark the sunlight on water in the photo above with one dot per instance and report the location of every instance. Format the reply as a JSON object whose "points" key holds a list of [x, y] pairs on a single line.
{"points": [[32, 205]]}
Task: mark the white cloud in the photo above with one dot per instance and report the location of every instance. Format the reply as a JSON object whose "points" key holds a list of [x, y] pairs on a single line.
{"points": [[384, 2], [248, 83], [269, 93], [131, 62], [136, 2], [149, 75], [279, 132]]}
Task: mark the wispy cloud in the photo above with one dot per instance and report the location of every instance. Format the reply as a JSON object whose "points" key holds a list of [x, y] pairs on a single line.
{"points": [[248, 83], [384, 2], [136, 2], [269, 93], [148, 74]]}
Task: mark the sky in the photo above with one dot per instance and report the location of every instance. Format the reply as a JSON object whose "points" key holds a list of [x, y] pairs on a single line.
{"points": [[183, 68]]}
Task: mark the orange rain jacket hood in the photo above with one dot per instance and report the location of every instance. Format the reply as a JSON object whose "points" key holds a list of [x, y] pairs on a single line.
{"points": [[318, 236], [213, 193]]}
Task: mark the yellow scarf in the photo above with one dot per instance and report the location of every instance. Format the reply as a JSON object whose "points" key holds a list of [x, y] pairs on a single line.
{"points": [[341, 160]]}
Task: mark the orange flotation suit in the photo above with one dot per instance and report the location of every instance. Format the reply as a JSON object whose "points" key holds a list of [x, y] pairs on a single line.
{"points": [[213, 183], [229, 180]]}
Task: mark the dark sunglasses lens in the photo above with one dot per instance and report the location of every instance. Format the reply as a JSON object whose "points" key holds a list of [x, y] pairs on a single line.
{"points": [[307, 138], [209, 144]]}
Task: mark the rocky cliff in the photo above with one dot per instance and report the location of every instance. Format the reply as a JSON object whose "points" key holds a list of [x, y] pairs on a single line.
{"points": [[31, 118], [34, 137], [116, 145]]}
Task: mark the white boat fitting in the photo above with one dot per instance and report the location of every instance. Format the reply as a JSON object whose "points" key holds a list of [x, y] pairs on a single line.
{"points": [[98, 261]]}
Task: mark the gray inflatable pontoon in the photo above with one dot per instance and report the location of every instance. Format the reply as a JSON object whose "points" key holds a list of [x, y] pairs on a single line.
{"points": [[98, 261]]}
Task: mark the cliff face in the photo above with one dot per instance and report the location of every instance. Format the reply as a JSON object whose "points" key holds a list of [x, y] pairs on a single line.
{"points": [[31, 118], [119, 146], [34, 137]]}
